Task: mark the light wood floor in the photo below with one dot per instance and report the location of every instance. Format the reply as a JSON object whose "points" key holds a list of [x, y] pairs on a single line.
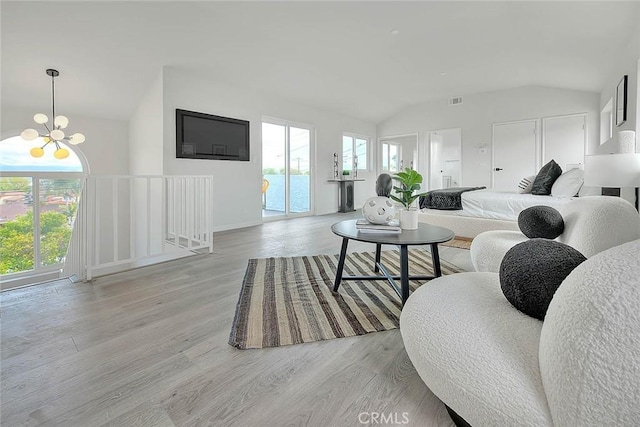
{"points": [[149, 347]]}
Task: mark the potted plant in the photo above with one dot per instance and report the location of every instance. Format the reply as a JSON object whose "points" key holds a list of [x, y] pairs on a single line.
{"points": [[409, 181]]}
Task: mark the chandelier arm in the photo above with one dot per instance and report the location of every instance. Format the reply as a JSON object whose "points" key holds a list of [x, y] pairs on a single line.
{"points": [[46, 127]]}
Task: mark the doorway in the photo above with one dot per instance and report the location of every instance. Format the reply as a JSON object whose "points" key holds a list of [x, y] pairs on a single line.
{"points": [[286, 169], [397, 153], [445, 154]]}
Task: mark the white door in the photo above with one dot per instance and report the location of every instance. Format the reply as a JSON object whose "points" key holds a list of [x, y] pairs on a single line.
{"points": [[514, 153], [446, 158], [563, 139]]}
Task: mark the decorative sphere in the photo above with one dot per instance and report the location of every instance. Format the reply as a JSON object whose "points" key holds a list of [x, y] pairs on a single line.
{"points": [[384, 184], [61, 153], [378, 210], [37, 152], [29, 134]]}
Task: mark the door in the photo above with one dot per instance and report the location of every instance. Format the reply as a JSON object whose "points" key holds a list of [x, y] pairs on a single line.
{"points": [[445, 166], [514, 153], [564, 139], [286, 169]]}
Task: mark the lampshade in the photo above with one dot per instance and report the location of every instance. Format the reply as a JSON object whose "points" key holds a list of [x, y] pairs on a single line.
{"points": [[612, 170], [627, 141]]}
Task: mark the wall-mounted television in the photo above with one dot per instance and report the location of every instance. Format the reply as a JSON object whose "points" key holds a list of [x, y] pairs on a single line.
{"points": [[205, 136]]}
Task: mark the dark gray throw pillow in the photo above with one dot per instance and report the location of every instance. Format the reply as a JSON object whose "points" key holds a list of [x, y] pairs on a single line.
{"points": [[545, 179], [532, 271], [541, 221]]}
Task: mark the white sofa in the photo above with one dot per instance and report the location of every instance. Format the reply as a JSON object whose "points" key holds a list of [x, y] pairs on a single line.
{"points": [[495, 366]]}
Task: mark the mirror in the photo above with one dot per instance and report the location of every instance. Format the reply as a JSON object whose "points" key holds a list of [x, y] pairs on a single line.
{"points": [[397, 153]]}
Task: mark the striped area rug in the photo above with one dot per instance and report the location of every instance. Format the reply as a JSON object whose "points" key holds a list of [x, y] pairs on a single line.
{"points": [[286, 301]]}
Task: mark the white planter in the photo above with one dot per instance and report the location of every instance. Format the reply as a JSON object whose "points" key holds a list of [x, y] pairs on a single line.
{"points": [[409, 219]]}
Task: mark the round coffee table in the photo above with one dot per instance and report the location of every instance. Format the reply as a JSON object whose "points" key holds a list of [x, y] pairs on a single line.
{"points": [[425, 234]]}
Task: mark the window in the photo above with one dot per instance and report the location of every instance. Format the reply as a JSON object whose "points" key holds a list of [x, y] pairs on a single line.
{"points": [[606, 122], [38, 202], [390, 156], [354, 144]]}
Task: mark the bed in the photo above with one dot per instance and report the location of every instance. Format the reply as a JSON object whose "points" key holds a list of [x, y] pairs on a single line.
{"points": [[485, 209]]}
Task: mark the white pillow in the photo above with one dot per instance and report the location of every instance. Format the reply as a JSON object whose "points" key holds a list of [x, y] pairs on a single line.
{"points": [[525, 185], [568, 184]]}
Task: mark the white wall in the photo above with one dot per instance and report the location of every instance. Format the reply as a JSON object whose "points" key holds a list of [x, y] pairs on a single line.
{"points": [[146, 132], [237, 188], [476, 115], [627, 64], [106, 147]]}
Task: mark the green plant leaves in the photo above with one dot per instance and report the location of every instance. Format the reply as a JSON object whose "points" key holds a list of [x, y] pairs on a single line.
{"points": [[409, 181]]}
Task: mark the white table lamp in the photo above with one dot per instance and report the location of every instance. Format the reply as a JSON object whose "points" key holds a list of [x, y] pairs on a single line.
{"points": [[613, 171]]}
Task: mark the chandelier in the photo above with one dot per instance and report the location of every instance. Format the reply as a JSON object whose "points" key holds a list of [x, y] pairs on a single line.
{"points": [[55, 134]]}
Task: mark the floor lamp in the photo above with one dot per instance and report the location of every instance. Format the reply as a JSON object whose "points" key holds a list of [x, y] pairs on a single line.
{"points": [[613, 171]]}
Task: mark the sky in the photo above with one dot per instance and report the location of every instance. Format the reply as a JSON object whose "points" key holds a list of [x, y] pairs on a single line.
{"points": [[15, 157]]}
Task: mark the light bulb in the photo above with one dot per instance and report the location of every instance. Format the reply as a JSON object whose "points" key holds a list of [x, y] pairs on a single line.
{"points": [[76, 138], [61, 153], [61, 122], [40, 118], [37, 152], [29, 134], [57, 134], [46, 139]]}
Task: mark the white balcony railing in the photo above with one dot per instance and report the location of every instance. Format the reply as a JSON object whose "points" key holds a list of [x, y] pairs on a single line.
{"points": [[125, 222]]}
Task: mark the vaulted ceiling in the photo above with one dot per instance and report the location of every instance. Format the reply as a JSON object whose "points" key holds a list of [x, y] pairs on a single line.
{"points": [[340, 56]]}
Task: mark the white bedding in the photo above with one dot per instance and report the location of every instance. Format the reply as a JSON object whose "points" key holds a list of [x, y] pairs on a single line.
{"points": [[501, 205]]}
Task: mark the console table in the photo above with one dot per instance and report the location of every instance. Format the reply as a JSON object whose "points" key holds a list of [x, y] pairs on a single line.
{"points": [[346, 197]]}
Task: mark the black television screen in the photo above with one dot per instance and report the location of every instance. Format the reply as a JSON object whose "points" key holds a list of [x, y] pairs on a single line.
{"points": [[205, 136]]}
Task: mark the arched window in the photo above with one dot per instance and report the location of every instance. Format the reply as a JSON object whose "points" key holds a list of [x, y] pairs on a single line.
{"points": [[38, 201]]}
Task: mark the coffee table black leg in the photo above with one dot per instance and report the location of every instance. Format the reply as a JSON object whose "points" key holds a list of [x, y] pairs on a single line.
{"points": [[404, 272], [375, 267], [435, 258], [343, 254]]}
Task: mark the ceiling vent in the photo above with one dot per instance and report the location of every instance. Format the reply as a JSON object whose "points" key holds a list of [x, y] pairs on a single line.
{"points": [[455, 100]]}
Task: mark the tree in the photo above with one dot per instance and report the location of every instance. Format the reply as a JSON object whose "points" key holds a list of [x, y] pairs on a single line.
{"points": [[16, 241], [15, 184]]}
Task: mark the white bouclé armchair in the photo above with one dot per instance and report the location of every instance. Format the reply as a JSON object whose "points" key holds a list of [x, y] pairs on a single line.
{"points": [[495, 366]]}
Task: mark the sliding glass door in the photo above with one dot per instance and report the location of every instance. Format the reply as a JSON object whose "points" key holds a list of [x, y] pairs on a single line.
{"points": [[286, 169]]}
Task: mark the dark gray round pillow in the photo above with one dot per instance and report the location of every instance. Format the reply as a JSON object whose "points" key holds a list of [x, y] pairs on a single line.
{"points": [[532, 271], [541, 222]]}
